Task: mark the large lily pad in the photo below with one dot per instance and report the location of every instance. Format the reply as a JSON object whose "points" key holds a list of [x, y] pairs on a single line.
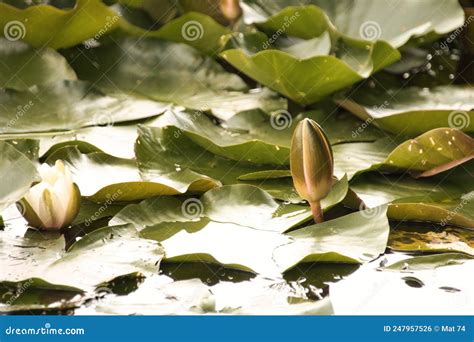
{"points": [[239, 247], [433, 152], [17, 172], [243, 204], [116, 140], [412, 111], [376, 189], [23, 67], [364, 19], [158, 296], [310, 79], [239, 146], [195, 29], [94, 257], [169, 72], [427, 262], [37, 294], [160, 151], [457, 212], [42, 25], [69, 105], [124, 181], [354, 238]]}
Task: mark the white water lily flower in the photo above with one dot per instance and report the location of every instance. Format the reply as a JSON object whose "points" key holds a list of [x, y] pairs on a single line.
{"points": [[54, 202]]}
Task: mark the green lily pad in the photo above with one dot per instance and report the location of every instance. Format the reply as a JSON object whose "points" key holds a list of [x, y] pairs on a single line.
{"points": [[45, 25], [160, 151], [116, 140], [23, 67], [141, 256], [18, 174], [433, 152], [69, 105], [354, 238], [427, 262], [364, 19], [37, 294], [29, 147], [239, 146], [350, 159], [95, 256], [354, 158], [412, 111], [243, 204], [376, 189], [155, 297], [457, 212], [195, 29], [124, 181], [169, 72], [309, 80], [194, 241], [340, 127]]}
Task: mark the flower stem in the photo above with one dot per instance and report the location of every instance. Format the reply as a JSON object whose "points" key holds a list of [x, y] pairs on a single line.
{"points": [[317, 212]]}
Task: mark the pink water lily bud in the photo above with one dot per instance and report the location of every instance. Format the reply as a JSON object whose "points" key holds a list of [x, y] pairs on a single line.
{"points": [[54, 202], [312, 164]]}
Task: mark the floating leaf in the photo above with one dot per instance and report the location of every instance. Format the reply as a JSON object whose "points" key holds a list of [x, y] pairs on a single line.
{"points": [[457, 212], [69, 105], [432, 152], [364, 19], [195, 29], [37, 294], [18, 174], [155, 297], [427, 262], [117, 140], [309, 80], [239, 204], [169, 72], [376, 189], [42, 255], [354, 238], [226, 143], [44, 25], [412, 111], [239, 247], [23, 67], [160, 151], [124, 181]]}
